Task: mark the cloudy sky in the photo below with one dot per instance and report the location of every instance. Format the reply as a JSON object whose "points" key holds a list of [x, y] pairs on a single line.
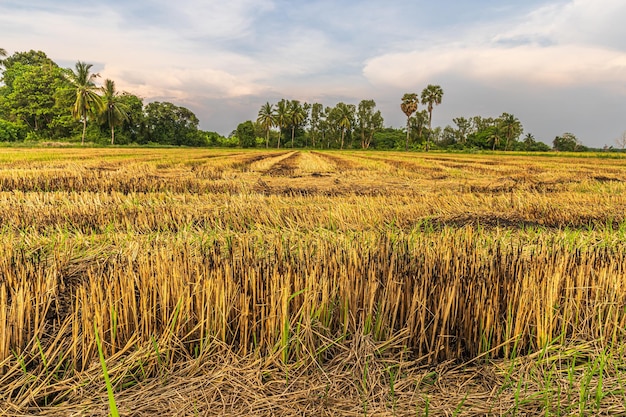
{"points": [[558, 65]]}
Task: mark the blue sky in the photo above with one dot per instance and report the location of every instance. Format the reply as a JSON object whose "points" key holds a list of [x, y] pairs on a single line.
{"points": [[558, 65]]}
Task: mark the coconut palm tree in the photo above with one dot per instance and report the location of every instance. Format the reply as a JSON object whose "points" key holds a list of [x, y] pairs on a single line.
{"points": [[296, 117], [511, 126], [266, 120], [87, 102], [432, 96], [281, 117], [409, 106], [115, 112], [345, 120]]}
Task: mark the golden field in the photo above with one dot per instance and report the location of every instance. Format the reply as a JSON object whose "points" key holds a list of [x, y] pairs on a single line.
{"points": [[230, 282]]}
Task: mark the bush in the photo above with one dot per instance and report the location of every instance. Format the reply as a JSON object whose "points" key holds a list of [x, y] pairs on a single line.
{"points": [[11, 132]]}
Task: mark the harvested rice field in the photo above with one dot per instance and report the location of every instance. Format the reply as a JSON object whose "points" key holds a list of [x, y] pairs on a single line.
{"points": [[193, 282]]}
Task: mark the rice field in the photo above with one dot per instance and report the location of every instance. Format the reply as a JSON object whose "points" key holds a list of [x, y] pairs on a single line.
{"points": [[236, 282]]}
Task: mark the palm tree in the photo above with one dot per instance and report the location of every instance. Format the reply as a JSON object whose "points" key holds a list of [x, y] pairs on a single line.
{"points": [[266, 120], [115, 113], [346, 115], [431, 95], [408, 106], [494, 135], [281, 117], [511, 127], [3, 53], [88, 102], [296, 117]]}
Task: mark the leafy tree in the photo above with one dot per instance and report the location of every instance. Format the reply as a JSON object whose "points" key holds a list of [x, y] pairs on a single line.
{"points": [[169, 124], [3, 53], [463, 129], [133, 128], [567, 142], [409, 106], [388, 138], [31, 98], [88, 102], [266, 120], [431, 95], [418, 122], [317, 121], [114, 113], [30, 58], [368, 122], [281, 117], [245, 134], [11, 132]]}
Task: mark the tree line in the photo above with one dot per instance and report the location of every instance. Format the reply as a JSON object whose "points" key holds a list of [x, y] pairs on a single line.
{"points": [[41, 101], [362, 126]]}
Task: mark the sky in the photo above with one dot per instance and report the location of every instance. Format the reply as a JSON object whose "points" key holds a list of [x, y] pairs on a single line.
{"points": [[557, 65]]}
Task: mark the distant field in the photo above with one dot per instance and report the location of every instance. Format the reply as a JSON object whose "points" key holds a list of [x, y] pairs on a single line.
{"points": [[232, 282]]}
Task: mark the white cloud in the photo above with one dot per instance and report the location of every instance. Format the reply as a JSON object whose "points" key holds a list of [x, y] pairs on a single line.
{"points": [[550, 65], [558, 45]]}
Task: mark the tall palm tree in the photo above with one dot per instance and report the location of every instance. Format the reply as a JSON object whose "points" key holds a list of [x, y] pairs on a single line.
{"points": [[3, 53], [494, 135], [115, 112], [87, 102], [281, 117], [296, 116], [511, 126], [266, 120], [432, 96], [346, 115], [409, 106]]}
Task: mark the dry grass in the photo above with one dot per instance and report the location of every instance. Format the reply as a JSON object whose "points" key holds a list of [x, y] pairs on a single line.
{"points": [[297, 283]]}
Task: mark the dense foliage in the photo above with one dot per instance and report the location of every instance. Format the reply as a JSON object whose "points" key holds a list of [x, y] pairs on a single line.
{"points": [[41, 101]]}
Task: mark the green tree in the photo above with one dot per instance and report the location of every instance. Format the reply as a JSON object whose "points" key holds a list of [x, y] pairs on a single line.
{"points": [[30, 58], [11, 132], [368, 122], [296, 116], [281, 117], [530, 144], [511, 127], [567, 142], [495, 135], [266, 120], [88, 102], [134, 126], [344, 119], [463, 128], [317, 120], [431, 95], [245, 134], [115, 113], [169, 124], [31, 98], [418, 122], [3, 53], [408, 106]]}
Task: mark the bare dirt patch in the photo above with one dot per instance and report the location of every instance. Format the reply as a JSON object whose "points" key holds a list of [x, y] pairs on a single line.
{"points": [[285, 167]]}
